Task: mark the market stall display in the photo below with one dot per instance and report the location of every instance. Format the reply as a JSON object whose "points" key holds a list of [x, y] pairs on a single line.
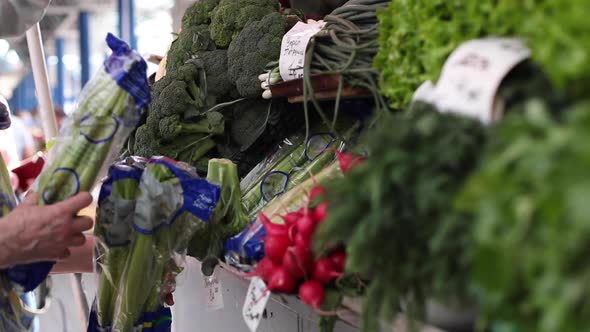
{"points": [[409, 155]]}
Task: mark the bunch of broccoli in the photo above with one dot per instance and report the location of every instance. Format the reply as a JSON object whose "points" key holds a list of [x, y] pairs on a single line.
{"points": [[230, 17], [214, 61], [171, 127]]}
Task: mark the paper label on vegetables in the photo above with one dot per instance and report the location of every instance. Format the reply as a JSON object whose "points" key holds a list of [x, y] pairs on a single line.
{"points": [[472, 75], [213, 292], [293, 49], [157, 203], [256, 300], [424, 93], [117, 229]]}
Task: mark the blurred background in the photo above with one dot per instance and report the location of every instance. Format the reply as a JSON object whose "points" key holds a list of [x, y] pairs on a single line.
{"points": [[73, 34]]}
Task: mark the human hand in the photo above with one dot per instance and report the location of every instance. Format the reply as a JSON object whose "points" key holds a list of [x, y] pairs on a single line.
{"points": [[33, 233]]}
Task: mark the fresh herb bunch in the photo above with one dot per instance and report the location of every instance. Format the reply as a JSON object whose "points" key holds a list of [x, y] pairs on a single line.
{"points": [[416, 37], [394, 212], [529, 201]]}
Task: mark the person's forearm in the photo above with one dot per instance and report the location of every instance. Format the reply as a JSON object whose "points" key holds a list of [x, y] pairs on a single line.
{"points": [[8, 245], [80, 261]]}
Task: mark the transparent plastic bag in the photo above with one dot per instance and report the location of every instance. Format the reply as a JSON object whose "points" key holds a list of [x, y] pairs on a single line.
{"points": [[287, 167], [150, 237], [108, 110], [114, 219]]}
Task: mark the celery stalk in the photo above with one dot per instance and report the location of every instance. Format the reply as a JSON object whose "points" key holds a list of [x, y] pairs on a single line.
{"points": [[296, 158], [79, 154], [297, 197], [149, 252], [311, 169], [228, 219], [114, 258]]}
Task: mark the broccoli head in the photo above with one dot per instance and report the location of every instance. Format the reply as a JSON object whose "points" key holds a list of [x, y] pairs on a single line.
{"points": [[146, 143], [189, 41], [199, 13], [173, 126], [257, 44], [231, 16], [190, 149], [178, 97], [219, 85]]}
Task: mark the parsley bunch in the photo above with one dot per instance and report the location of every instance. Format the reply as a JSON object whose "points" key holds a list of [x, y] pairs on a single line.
{"points": [[394, 212], [529, 202]]}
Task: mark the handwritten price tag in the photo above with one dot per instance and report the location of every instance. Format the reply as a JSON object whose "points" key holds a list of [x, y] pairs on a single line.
{"points": [[255, 303], [472, 75], [213, 292], [293, 49]]}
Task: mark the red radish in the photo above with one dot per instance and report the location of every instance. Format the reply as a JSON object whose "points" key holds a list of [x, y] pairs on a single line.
{"points": [[312, 293], [292, 232], [316, 192], [275, 248], [291, 218], [271, 228], [324, 272], [281, 281], [302, 241], [304, 211], [320, 212], [298, 261], [348, 161], [338, 259], [306, 226], [263, 270]]}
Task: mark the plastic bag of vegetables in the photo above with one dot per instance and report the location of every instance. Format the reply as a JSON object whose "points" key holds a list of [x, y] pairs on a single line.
{"points": [[109, 108], [146, 215], [292, 164], [171, 203], [113, 229]]}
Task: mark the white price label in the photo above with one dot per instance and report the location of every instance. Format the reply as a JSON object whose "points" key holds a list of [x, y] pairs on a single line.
{"points": [[293, 49], [424, 93], [256, 299], [472, 75], [213, 292]]}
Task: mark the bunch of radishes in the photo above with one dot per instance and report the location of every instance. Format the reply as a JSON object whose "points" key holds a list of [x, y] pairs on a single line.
{"points": [[289, 263]]}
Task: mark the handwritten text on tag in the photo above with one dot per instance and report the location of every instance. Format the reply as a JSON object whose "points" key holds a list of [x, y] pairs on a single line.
{"points": [[293, 49], [473, 73], [256, 299], [213, 293]]}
